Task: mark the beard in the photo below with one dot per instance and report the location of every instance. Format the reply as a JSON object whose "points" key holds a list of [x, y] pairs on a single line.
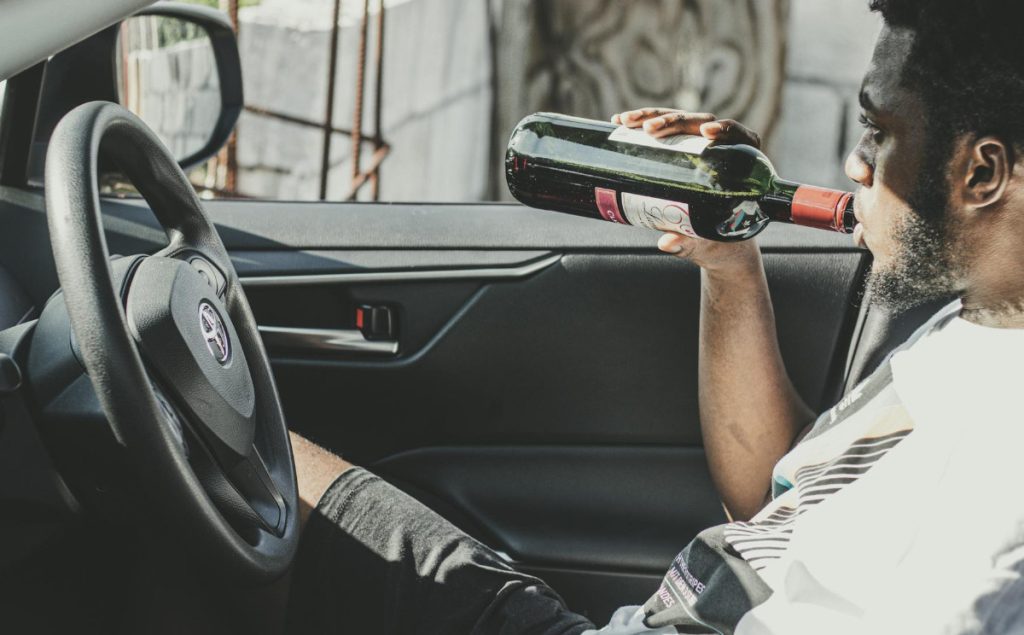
{"points": [[926, 266]]}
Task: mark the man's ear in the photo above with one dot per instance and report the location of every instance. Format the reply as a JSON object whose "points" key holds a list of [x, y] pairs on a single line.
{"points": [[989, 169]]}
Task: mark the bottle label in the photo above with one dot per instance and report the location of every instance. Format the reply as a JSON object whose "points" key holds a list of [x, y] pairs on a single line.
{"points": [[657, 213], [608, 205], [690, 144]]}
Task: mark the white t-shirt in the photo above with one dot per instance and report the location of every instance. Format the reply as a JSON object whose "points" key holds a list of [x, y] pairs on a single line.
{"points": [[898, 513]]}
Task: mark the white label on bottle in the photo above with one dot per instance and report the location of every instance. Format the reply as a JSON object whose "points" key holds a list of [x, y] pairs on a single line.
{"points": [[691, 144], [657, 213]]}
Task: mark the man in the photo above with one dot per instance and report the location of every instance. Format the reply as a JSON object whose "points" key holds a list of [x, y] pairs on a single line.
{"points": [[896, 511]]}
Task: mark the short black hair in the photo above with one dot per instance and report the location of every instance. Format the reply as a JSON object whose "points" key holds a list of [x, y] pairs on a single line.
{"points": [[966, 63]]}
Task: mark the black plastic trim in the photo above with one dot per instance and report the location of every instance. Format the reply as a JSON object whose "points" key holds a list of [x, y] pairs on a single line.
{"points": [[289, 264], [624, 508], [19, 111]]}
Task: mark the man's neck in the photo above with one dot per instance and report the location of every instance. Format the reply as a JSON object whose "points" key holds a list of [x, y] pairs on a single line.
{"points": [[1006, 313], [994, 291]]}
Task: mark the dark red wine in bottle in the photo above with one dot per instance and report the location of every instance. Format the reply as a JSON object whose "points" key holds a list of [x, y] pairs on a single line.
{"points": [[682, 183]]}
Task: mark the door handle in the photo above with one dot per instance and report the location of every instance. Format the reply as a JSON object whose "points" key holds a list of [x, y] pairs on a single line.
{"points": [[324, 340]]}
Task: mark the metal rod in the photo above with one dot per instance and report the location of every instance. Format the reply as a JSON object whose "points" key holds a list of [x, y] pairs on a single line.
{"points": [[494, 138], [332, 66], [378, 157], [377, 99], [357, 112], [301, 121], [231, 178], [231, 158]]}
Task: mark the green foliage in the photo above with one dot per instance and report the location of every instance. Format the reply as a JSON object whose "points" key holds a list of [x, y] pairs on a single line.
{"points": [[170, 31]]}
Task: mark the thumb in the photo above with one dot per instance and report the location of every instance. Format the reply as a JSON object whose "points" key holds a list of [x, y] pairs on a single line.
{"points": [[673, 243]]}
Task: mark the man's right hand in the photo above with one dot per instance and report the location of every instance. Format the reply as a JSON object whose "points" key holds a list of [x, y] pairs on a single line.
{"points": [[743, 438], [712, 256], [664, 122]]}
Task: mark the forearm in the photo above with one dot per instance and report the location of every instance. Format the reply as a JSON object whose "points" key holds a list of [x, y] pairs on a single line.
{"points": [[750, 412], [315, 470]]}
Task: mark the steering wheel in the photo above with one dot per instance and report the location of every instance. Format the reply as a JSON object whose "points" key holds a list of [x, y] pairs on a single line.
{"points": [[172, 351]]}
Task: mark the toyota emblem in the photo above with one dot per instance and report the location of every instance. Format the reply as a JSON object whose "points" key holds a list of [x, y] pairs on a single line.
{"points": [[215, 333]]}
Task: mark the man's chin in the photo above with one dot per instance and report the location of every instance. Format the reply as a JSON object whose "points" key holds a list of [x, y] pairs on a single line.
{"points": [[925, 266], [898, 291]]}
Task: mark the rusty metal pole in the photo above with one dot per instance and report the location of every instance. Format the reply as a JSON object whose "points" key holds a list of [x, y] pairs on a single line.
{"points": [[332, 67], [377, 99], [231, 152], [357, 112]]}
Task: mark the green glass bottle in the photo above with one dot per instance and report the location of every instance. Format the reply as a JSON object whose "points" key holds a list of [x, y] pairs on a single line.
{"points": [[682, 183]]}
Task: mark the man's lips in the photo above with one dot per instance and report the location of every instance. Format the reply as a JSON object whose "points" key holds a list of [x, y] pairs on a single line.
{"points": [[858, 236], [858, 229], [856, 209]]}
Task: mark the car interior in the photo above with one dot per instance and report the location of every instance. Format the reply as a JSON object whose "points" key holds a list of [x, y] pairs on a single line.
{"points": [[531, 376]]}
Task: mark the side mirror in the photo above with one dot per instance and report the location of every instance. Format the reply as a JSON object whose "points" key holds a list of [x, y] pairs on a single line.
{"points": [[177, 68], [175, 65]]}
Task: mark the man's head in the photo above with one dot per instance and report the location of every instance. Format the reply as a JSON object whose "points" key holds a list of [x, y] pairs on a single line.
{"points": [[941, 197]]}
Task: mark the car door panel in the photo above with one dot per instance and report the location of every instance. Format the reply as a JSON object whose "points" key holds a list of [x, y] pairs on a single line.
{"points": [[539, 506], [598, 523], [596, 348]]}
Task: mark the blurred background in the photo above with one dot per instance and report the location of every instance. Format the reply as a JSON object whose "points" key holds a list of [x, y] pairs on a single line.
{"points": [[413, 100]]}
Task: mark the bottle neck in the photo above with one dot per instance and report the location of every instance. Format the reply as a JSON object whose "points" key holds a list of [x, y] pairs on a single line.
{"points": [[811, 206]]}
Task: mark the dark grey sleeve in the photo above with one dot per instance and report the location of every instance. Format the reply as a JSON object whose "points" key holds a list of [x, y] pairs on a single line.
{"points": [[375, 560]]}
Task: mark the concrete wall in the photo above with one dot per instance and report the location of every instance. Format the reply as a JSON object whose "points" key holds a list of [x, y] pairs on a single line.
{"points": [[436, 96]]}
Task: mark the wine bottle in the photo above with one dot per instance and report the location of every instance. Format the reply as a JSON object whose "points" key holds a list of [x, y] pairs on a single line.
{"points": [[681, 183]]}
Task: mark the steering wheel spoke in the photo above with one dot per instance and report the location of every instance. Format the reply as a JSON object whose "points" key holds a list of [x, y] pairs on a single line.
{"points": [[171, 416], [241, 487], [253, 481]]}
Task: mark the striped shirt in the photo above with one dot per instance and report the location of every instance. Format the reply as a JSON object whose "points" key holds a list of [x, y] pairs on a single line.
{"points": [[828, 460], [729, 570]]}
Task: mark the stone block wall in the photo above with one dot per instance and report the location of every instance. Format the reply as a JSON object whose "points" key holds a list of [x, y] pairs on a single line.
{"points": [[829, 47], [174, 88]]}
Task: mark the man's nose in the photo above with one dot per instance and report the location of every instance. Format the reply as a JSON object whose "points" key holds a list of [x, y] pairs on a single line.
{"points": [[858, 170]]}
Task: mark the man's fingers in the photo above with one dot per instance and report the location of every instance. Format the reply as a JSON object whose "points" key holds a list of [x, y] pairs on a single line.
{"points": [[641, 114], [730, 131], [677, 122], [664, 122], [636, 118]]}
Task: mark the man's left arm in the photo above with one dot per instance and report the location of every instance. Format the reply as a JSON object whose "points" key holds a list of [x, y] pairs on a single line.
{"points": [[315, 470]]}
